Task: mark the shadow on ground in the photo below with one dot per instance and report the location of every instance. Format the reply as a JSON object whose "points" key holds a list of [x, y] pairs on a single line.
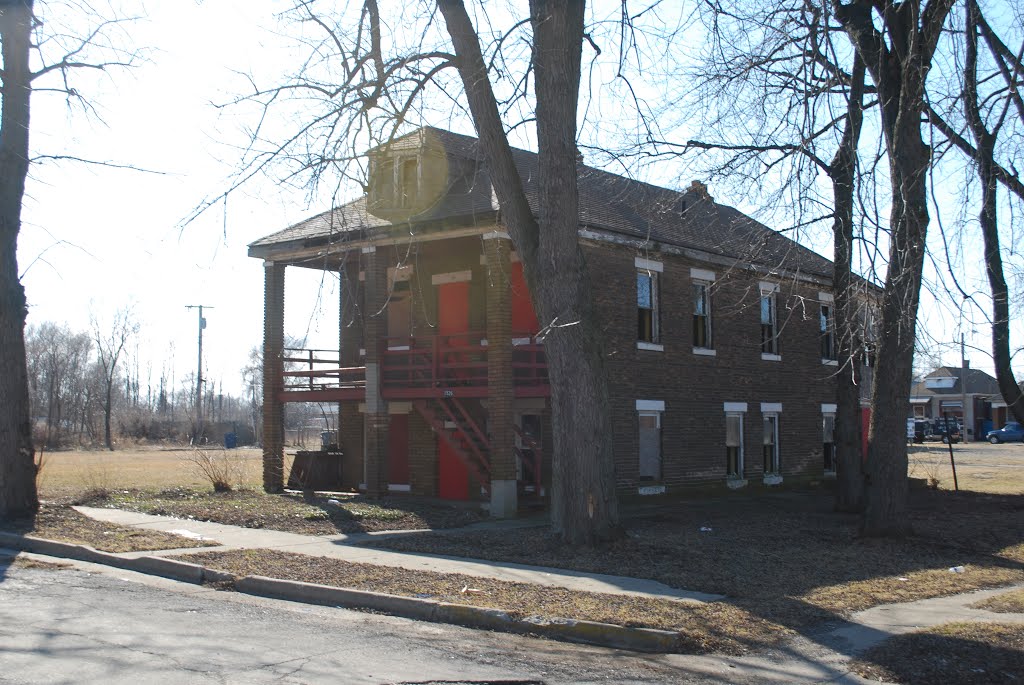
{"points": [[784, 557]]}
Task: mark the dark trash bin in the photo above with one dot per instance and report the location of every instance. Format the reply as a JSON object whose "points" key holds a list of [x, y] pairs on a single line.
{"points": [[230, 441]]}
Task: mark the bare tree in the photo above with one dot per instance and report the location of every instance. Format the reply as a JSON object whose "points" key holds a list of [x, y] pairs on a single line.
{"points": [[998, 105], [896, 41], [110, 344], [60, 55], [783, 110], [17, 457]]}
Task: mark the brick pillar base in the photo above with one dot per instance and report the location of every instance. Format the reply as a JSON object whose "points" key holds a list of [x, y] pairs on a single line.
{"points": [[500, 390], [273, 377]]}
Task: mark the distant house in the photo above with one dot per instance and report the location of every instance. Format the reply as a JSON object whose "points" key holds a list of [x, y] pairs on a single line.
{"points": [[941, 393], [718, 334]]}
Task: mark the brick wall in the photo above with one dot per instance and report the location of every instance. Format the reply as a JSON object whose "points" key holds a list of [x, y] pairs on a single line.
{"points": [[694, 387]]}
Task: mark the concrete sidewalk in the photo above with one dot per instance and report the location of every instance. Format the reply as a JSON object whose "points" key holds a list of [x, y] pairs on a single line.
{"points": [[341, 547]]}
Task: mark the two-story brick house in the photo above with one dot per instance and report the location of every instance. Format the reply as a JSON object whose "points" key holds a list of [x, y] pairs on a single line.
{"points": [[718, 341]]}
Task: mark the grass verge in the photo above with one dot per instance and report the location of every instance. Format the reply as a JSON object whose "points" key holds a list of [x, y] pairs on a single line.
{"points": [[287, 512], [951, 654], [786, 557], [702, 628], [1007, 603], [64, 524]]}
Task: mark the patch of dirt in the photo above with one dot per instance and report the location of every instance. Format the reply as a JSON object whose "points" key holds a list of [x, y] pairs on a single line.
{"points": [[64, 524], [1007, 603], [289, 512], [787, 557], [702, 628], [953, 654], [22, 561]]}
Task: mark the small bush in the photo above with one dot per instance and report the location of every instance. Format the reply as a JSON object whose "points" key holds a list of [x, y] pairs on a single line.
{"points": [[221, 468]]}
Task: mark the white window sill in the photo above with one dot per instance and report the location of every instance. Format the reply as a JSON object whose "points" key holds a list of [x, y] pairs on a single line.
{"points": [[773, 479], [830, 362], [704, 351], [768, 357], [398, 487], [651, 490], [830, 475], [399, 348], [734, 483], [521, 341], [653, 347]]}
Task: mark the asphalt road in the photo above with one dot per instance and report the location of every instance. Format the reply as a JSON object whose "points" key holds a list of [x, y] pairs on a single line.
{"points": [[90, 624]]}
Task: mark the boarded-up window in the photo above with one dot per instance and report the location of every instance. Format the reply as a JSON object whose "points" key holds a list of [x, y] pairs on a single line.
{"points": [[399, 318], [734, 444], [650, 445]]}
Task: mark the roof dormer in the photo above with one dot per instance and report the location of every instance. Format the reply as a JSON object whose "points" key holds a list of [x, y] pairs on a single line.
{"points": [[407, 179]]}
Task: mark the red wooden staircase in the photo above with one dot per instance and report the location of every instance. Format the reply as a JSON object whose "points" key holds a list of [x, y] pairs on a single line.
{"points": [[457, 427]]}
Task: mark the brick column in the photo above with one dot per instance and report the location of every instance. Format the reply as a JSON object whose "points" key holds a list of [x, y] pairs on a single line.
{"points": [[273, 376], [350, 340], [374, 329], [500, 390]]}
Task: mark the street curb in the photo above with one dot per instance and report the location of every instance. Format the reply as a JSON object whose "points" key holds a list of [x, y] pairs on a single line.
{"points": [[154, 566], [589, 632], [570, 630]]}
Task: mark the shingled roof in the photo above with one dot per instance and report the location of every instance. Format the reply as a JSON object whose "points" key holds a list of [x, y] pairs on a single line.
{"points": [[608, 202], [978, 383]]}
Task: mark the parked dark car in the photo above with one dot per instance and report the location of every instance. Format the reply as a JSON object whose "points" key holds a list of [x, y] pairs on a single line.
{"points": [[1011, 432], [947, 430]]}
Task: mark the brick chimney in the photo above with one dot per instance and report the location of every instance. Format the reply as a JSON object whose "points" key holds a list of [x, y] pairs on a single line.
{"points": [[700, 189]]}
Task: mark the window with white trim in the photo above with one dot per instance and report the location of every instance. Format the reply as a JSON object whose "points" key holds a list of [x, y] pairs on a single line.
{"points": [[828, 333], [828, 437], [769, 322], [647, 306], [770, 444], [734, 444], [702, 315]]}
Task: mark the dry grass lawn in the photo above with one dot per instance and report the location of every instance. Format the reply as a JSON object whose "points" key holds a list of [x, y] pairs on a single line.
{"points": [[61, 523], [980, 467], [786, 557], [1007, 603], [68, 474], [953, 654], [702, 628]]}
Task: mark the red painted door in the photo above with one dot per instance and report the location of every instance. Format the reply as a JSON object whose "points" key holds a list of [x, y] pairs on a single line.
{"points": [[452, 318], [524, 320], [398, 449]]}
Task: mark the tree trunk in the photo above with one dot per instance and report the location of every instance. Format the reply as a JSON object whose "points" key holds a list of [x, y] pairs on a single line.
{"points": [[583, 504], [849, 460], [898, 51], [885, 497], [107, 407], [984, 157], [17, 458]]}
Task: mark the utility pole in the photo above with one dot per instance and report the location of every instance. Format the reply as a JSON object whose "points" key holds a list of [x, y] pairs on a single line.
{"points": [[963, 387], [199, 374]]}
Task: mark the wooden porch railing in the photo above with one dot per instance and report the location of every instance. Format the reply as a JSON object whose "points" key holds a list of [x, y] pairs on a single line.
{"points": [[310, 369], [418, 366]]}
